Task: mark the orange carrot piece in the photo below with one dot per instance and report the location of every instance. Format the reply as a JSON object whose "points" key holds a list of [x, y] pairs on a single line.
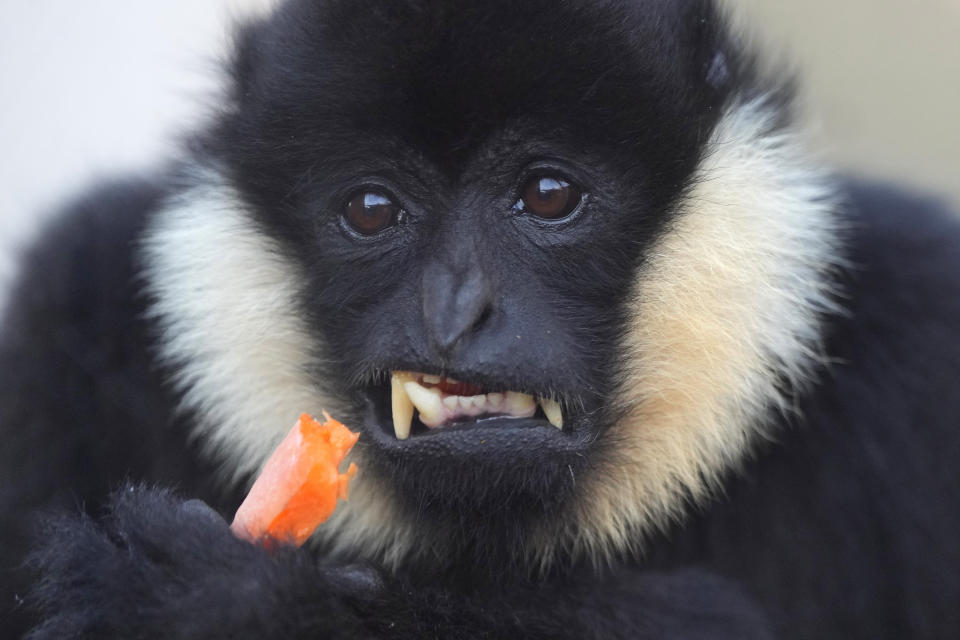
{"points": [[299, 486]]}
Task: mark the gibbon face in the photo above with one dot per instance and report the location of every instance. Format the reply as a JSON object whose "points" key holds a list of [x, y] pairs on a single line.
{"points": [[554, 261]]}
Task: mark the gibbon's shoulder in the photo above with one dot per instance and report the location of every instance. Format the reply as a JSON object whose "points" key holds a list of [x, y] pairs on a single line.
{"points": [[78, 376], [859, 478], [76, 383], [903, 266], [879, 441], [894, 351], [84, 257]]}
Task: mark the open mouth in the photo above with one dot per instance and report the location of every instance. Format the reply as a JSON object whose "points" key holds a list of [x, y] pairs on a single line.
{"points": [[442, 442], [422, 403]]}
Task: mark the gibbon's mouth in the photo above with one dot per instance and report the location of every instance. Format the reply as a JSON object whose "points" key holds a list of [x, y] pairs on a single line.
{"points": [[413, 405], [443, 442]]}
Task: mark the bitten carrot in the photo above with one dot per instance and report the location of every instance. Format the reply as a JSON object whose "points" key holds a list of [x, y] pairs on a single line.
{"points": [[299, 486]]}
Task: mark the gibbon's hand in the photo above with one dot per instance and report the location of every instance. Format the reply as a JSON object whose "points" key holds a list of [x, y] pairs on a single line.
{"points": [[157, 567]]}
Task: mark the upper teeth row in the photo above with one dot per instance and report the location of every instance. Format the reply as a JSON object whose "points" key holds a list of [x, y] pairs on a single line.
{"points": [[437, 408]]}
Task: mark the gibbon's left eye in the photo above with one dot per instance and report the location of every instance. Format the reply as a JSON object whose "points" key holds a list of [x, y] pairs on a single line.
{"points": [[370, 212], [550, 197]]}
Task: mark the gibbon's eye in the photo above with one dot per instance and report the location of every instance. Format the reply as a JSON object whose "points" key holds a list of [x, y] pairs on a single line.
{"points": [[550, 197], [370, 212]]}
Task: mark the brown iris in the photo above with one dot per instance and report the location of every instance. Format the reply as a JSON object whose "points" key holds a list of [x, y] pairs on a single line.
{"points": [[550, 197], [370, 212]]}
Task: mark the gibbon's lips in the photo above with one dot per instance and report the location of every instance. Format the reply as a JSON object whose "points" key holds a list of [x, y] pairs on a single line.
{"points": [[442, 402]]}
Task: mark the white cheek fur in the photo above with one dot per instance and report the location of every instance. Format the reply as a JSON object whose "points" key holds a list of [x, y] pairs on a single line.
{"points": [[727, 315], [225, 300]]}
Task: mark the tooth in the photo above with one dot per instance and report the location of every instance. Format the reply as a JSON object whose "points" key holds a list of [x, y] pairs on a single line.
{"points": [[520, 405], [552, 410], [428, 402], [450, 402], [494, 400], [477, 404], [402, 407], [432, 379]]}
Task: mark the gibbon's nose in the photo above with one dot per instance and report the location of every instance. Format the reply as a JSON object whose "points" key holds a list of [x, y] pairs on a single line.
{"points": [[457, 299]]}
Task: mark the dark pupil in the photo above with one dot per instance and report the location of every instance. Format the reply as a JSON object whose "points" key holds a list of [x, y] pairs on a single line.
{"points": [[548, 197], [369, 212]]}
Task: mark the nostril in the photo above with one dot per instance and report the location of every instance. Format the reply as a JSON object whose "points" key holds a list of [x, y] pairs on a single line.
{"points": [[482, 318]]}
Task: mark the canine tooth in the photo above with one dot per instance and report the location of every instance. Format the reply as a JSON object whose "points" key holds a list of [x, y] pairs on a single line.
{"points": [[552, 410], [520, 405], [428, 402], [432, 379], [401, 405]]}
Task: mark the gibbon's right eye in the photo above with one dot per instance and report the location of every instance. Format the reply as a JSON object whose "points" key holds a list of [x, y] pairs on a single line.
{"points": [[370, 212], [549, 197]]}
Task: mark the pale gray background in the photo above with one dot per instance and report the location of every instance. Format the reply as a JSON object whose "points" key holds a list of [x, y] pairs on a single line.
{"points": [[92, 87]]}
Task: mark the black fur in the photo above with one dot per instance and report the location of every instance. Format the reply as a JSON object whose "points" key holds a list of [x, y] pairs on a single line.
{"points": [[157, 567], [843, 527], [82, 404]]}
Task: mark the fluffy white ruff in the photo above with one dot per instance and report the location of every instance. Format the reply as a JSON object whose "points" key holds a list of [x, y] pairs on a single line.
{"points": [[726, 324], [226, 301]]}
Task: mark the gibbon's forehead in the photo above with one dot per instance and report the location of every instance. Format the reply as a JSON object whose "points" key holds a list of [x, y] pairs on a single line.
{"points": [[442, 77]]}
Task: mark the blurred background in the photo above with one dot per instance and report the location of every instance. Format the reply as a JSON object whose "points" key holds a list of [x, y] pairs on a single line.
{"points": [[97, 87]]}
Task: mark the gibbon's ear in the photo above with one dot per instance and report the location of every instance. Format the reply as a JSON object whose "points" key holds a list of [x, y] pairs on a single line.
{"points": [[724, 57], [704, 34]]}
